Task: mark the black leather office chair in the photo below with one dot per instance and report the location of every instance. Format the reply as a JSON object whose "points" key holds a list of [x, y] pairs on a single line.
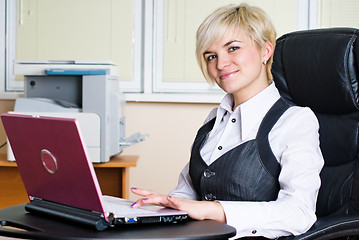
{"points": [[319, 69]]}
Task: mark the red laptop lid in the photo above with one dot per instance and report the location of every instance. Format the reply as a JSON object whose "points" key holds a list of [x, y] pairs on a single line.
{"points": [[52, 160]]}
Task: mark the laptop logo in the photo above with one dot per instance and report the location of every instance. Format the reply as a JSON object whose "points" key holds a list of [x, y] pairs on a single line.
{"points": [[49, 161]]}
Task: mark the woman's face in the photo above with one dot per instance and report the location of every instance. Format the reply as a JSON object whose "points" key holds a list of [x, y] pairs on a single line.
{"points": [[236, 64]]}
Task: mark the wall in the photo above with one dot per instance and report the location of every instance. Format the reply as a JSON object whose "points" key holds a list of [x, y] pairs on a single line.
{"points": [[171, 128]]}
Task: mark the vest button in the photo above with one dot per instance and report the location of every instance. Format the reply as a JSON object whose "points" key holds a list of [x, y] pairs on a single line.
{"points": [[209, 197], [208, 173]]}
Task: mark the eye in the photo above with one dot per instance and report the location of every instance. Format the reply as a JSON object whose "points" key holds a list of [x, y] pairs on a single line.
{"points": [[210, 57], [232, 49]]}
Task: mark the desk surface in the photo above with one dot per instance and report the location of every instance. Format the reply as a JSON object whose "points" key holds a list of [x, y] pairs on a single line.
{"points": [[45, 228]]}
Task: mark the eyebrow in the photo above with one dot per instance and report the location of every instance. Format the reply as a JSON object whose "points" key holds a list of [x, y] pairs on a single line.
{"points": [[207, 52], [225, 45], [230, 42]]}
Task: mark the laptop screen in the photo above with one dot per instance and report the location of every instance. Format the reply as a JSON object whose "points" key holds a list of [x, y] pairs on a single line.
{"points": [[52, 160]]}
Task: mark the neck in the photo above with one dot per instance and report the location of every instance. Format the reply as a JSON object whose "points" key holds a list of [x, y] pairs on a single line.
{"points": [[239, 98]]}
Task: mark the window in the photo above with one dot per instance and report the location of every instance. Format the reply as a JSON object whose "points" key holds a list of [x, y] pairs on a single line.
{"points": [[152, 42], [2, 44], [90, 30], [10, 37], [176, 68], [338, 13]]}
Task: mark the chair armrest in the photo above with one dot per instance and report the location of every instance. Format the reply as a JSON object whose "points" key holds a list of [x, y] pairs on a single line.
{"points": [[330, 227]]}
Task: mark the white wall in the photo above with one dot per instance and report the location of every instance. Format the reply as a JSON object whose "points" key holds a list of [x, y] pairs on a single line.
{"points": [[172, 129]]}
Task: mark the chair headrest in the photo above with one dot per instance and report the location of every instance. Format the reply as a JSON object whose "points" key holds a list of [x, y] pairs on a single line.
{"points": [[319, 69]]}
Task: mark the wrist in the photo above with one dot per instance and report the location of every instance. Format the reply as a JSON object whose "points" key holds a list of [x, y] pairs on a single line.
{"points": [[216, 212]]}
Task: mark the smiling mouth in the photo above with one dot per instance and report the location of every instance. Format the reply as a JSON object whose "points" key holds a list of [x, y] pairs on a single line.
{"points": [[227, 75]]}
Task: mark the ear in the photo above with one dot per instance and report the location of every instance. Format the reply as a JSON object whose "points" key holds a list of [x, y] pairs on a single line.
{"points": [[267, 51]]}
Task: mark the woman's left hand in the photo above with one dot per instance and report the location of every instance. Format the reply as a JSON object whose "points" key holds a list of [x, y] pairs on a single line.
{"points": [[198, 210]]}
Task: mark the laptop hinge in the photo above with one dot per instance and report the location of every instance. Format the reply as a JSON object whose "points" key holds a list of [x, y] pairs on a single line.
{"points": [[64, 212]]}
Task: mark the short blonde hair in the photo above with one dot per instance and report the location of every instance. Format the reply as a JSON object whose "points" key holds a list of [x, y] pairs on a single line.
{"points": [[253, 20]]}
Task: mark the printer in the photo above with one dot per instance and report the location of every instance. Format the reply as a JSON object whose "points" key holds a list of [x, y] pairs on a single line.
{"points": [[86, 91]]}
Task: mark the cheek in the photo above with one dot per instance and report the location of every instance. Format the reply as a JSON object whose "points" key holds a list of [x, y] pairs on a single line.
{"points": [[252, 61], [212, 70]]}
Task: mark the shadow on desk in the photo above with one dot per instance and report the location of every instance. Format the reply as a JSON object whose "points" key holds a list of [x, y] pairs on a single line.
{"points": [[45, 228]]}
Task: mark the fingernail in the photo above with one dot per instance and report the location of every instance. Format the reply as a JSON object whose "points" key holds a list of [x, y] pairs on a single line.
{"points": [[133, 188], [134, 204], [169, 196], [144, 199]]}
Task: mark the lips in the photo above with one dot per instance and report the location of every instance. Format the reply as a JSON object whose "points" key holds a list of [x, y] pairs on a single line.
{"points": [[228, 74]]}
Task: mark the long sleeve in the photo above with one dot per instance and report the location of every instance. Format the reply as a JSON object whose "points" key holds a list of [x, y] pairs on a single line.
{"points": [[184, 188], [296, 141]]}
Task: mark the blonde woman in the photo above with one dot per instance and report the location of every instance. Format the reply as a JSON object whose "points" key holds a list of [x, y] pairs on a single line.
{"points": [[255, 162]]}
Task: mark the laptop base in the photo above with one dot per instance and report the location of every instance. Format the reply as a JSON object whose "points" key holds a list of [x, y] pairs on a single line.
{"points": [[83, 217], [151, 220]]}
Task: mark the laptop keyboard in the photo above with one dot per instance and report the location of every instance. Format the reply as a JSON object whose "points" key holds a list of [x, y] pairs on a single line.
{"points": [[122, 207]]}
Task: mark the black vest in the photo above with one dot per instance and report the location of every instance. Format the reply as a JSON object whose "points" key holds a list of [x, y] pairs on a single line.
{"points": [[248, 172]]}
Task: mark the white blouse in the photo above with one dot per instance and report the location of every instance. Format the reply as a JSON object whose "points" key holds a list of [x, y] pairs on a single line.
{"points": [[294, 140]]}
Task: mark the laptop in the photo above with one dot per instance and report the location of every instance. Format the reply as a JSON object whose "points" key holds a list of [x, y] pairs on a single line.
{"points": [[60, 179]]}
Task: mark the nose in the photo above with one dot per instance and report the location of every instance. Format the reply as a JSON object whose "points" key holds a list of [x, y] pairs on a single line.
{"points": [[223, 61]]}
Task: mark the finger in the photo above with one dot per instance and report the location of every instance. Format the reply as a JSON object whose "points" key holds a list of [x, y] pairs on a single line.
{"points": [[171, 202], [157, 199], [142, 192], [137, 204], [174, 202], [140, 202]]}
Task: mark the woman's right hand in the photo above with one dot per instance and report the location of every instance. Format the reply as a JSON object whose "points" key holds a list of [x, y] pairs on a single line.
{"points": [[198, 210]]}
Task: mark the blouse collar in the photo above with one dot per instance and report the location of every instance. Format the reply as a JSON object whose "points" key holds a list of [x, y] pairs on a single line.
{"points": [[251, 112]]}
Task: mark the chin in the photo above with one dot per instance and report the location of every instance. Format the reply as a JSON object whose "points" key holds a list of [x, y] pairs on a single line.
{"points": [[229, 89]]}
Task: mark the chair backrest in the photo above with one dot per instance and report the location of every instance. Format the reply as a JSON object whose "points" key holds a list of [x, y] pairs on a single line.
{"points": [[319, 69]]}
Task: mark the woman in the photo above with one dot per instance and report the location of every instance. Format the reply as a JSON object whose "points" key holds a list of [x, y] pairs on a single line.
{"points": [[255, 163]]}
